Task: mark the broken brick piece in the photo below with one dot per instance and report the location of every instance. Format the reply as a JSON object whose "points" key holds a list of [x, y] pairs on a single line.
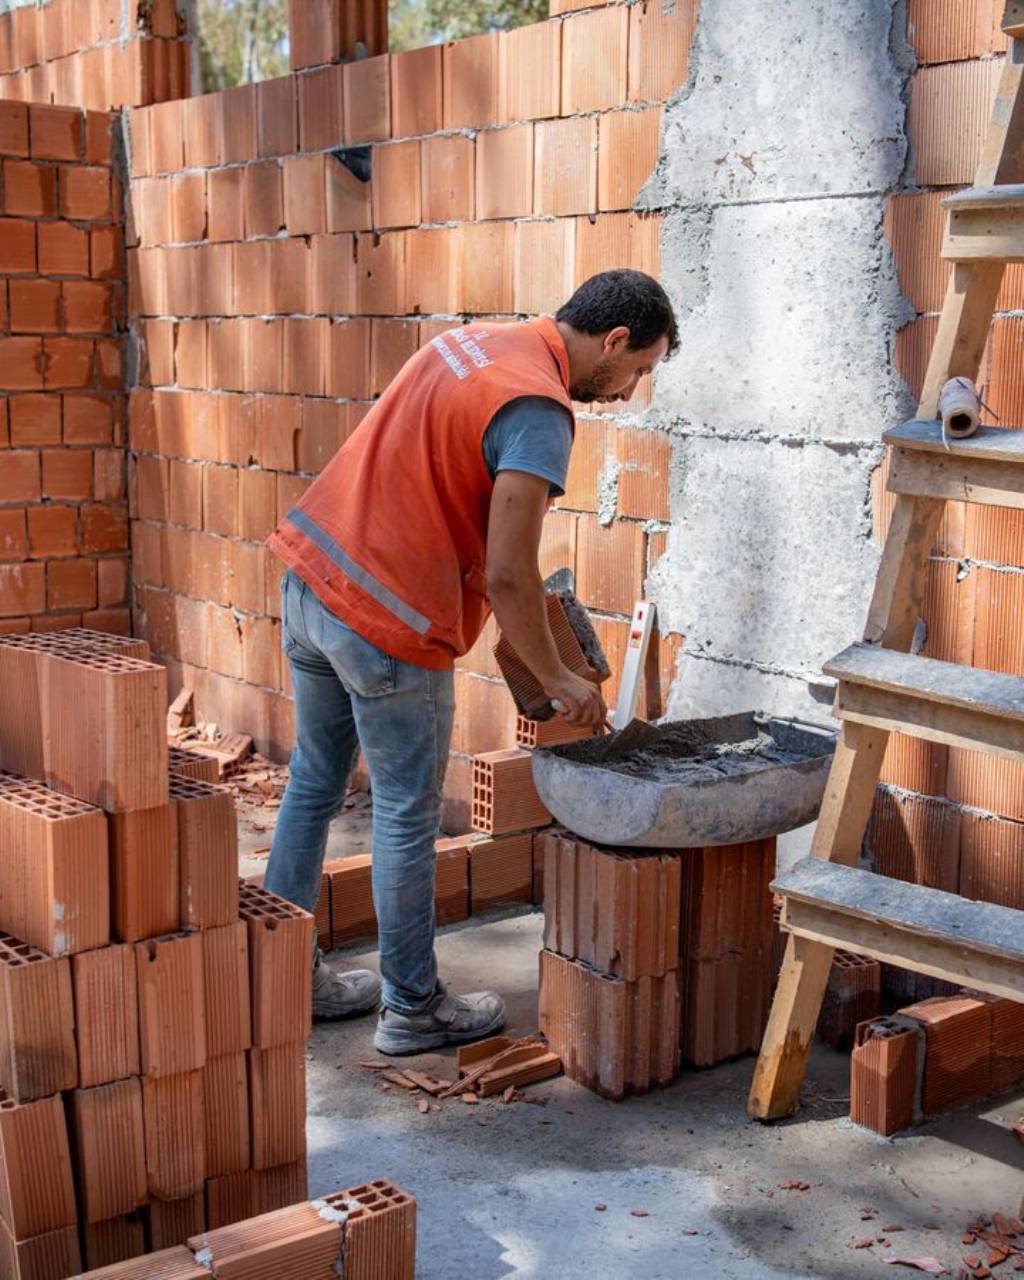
{"points": [[105, 988], [37, 1194], [172, 1013], [613, 1036], [504, 796], [53, 856], [109, 1149], [280, 967], [207, 853], [616, 911], [37, 1026], [277, 1093], [883, 1076]]}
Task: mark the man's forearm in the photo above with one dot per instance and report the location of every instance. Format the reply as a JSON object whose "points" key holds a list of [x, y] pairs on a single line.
{"points": [[519, 609]]}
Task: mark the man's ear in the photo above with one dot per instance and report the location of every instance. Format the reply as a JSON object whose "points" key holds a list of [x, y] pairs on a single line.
{"points": [[616, 340]]}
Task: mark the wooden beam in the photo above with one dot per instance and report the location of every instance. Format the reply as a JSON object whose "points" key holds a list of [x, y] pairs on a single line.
{"points": [[953, 478], [954, 726], [989, 444], [985, 235]]}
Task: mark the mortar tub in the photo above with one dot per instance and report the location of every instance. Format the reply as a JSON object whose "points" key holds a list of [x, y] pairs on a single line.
{"points": [[622, 802]]}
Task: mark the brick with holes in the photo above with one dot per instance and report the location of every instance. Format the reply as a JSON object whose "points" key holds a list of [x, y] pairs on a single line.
{"points": [[280, 967], [504, 796]]}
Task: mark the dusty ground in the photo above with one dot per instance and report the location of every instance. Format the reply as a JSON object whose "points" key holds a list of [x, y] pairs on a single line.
{"points": [[511, 1190]]}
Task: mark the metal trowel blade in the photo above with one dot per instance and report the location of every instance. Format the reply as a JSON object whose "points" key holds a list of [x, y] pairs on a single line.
{"points": [[637, 734]]}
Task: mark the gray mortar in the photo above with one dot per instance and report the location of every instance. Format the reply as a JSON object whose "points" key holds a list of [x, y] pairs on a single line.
{"points": [[776, 157]]}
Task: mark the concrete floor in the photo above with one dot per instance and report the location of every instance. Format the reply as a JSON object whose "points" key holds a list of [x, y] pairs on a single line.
{"points": [[511, 1190]]}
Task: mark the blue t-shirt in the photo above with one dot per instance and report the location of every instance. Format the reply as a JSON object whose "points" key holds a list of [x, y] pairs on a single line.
{"points": [[531, 434]]}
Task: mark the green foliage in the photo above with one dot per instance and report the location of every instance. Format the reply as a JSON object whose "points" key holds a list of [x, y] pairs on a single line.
{"points": [[413, 23], [241, 41]]}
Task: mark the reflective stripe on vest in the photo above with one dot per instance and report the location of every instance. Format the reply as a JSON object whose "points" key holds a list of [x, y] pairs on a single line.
{"points": [[360, 576]]}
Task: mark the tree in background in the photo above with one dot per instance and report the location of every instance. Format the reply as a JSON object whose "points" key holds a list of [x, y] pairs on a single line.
{"points": [[245, 40], [241, 41], [414, 23]]}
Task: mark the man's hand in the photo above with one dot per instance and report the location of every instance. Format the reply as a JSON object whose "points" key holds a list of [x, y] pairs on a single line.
{"points": [[581, 698]]}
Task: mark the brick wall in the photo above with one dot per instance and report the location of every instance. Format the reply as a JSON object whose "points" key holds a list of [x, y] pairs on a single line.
{"points": [[974, 605], [96, 54], [63, 509], [275, 295]]}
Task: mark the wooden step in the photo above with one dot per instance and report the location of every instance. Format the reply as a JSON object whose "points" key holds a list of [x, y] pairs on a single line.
{"points": [[1013, 18], [985, 468], [986, 224], [940, 701], [976, 944]]}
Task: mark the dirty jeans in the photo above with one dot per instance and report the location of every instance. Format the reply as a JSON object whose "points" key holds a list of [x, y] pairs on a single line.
{"points": [[349, 693]]}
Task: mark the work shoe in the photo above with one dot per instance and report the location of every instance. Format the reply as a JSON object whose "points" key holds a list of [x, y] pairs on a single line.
{"points": [[447, 1019], [343, 995]]}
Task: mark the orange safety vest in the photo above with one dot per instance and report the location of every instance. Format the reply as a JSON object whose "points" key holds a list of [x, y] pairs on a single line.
{"points": [[392, 535]]}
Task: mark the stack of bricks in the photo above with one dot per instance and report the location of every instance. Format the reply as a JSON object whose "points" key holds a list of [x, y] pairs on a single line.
{"points": [[152, 1059], [276, 292], [63, 499], [944, 1052], [609, 971], [653, 958], [99, 54]]}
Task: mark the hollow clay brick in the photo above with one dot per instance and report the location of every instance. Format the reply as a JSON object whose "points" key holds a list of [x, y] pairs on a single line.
{"points": [[660, 36], [854, 995], [416, 91], [618, 913], [990, 860], [231, 1199], [207, 853], [883, 1075], [37, 1027], [916, 839], [367, 98], [594, 65], [107, 1243], [504, 172], [279, 1187], [106, 1014], [500, 871], [1007, 1044], [113, 752], [548, 733], [277, 1100], [144, 873], [958, 1050], [280, 968], [175, 1126], [451, 880], [504, 796], [614, 1037], [169, 1264], [322, 914], [302, 1240], [565, 167], [352, 913], [54, 859], [380, 1231], [226, 1091], [725, 1005], [530, 72], [109, 1149], [172, 1222], [226, 986], [726, 903], [36, 1190], [172, 1015], [50, 1256]]}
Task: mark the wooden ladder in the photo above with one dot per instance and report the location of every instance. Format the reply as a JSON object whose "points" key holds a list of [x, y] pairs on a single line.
{"points": [[882, 688]]}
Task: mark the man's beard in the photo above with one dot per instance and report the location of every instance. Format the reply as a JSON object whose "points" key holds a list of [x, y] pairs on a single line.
{"points": [[596, 384]]}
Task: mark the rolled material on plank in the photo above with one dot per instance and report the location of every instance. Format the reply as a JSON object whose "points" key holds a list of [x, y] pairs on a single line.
{"points": [[959, 409]]}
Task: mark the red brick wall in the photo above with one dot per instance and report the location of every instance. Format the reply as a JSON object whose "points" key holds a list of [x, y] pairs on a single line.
{"points": [[975, 597], [96, 54], [275, 298], [63, 510]]}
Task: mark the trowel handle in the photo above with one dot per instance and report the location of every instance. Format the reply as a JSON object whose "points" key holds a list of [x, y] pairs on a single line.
{"points": [[559, 706]]}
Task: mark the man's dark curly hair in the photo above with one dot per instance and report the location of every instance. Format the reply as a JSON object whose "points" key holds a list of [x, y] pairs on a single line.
{"points": [[629, 298]]}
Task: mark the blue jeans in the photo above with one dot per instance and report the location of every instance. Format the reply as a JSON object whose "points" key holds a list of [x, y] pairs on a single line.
{"points": [[349, 693]]}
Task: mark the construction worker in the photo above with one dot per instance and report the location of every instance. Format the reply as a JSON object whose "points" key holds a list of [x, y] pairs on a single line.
{"points": [[424, 521]]}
